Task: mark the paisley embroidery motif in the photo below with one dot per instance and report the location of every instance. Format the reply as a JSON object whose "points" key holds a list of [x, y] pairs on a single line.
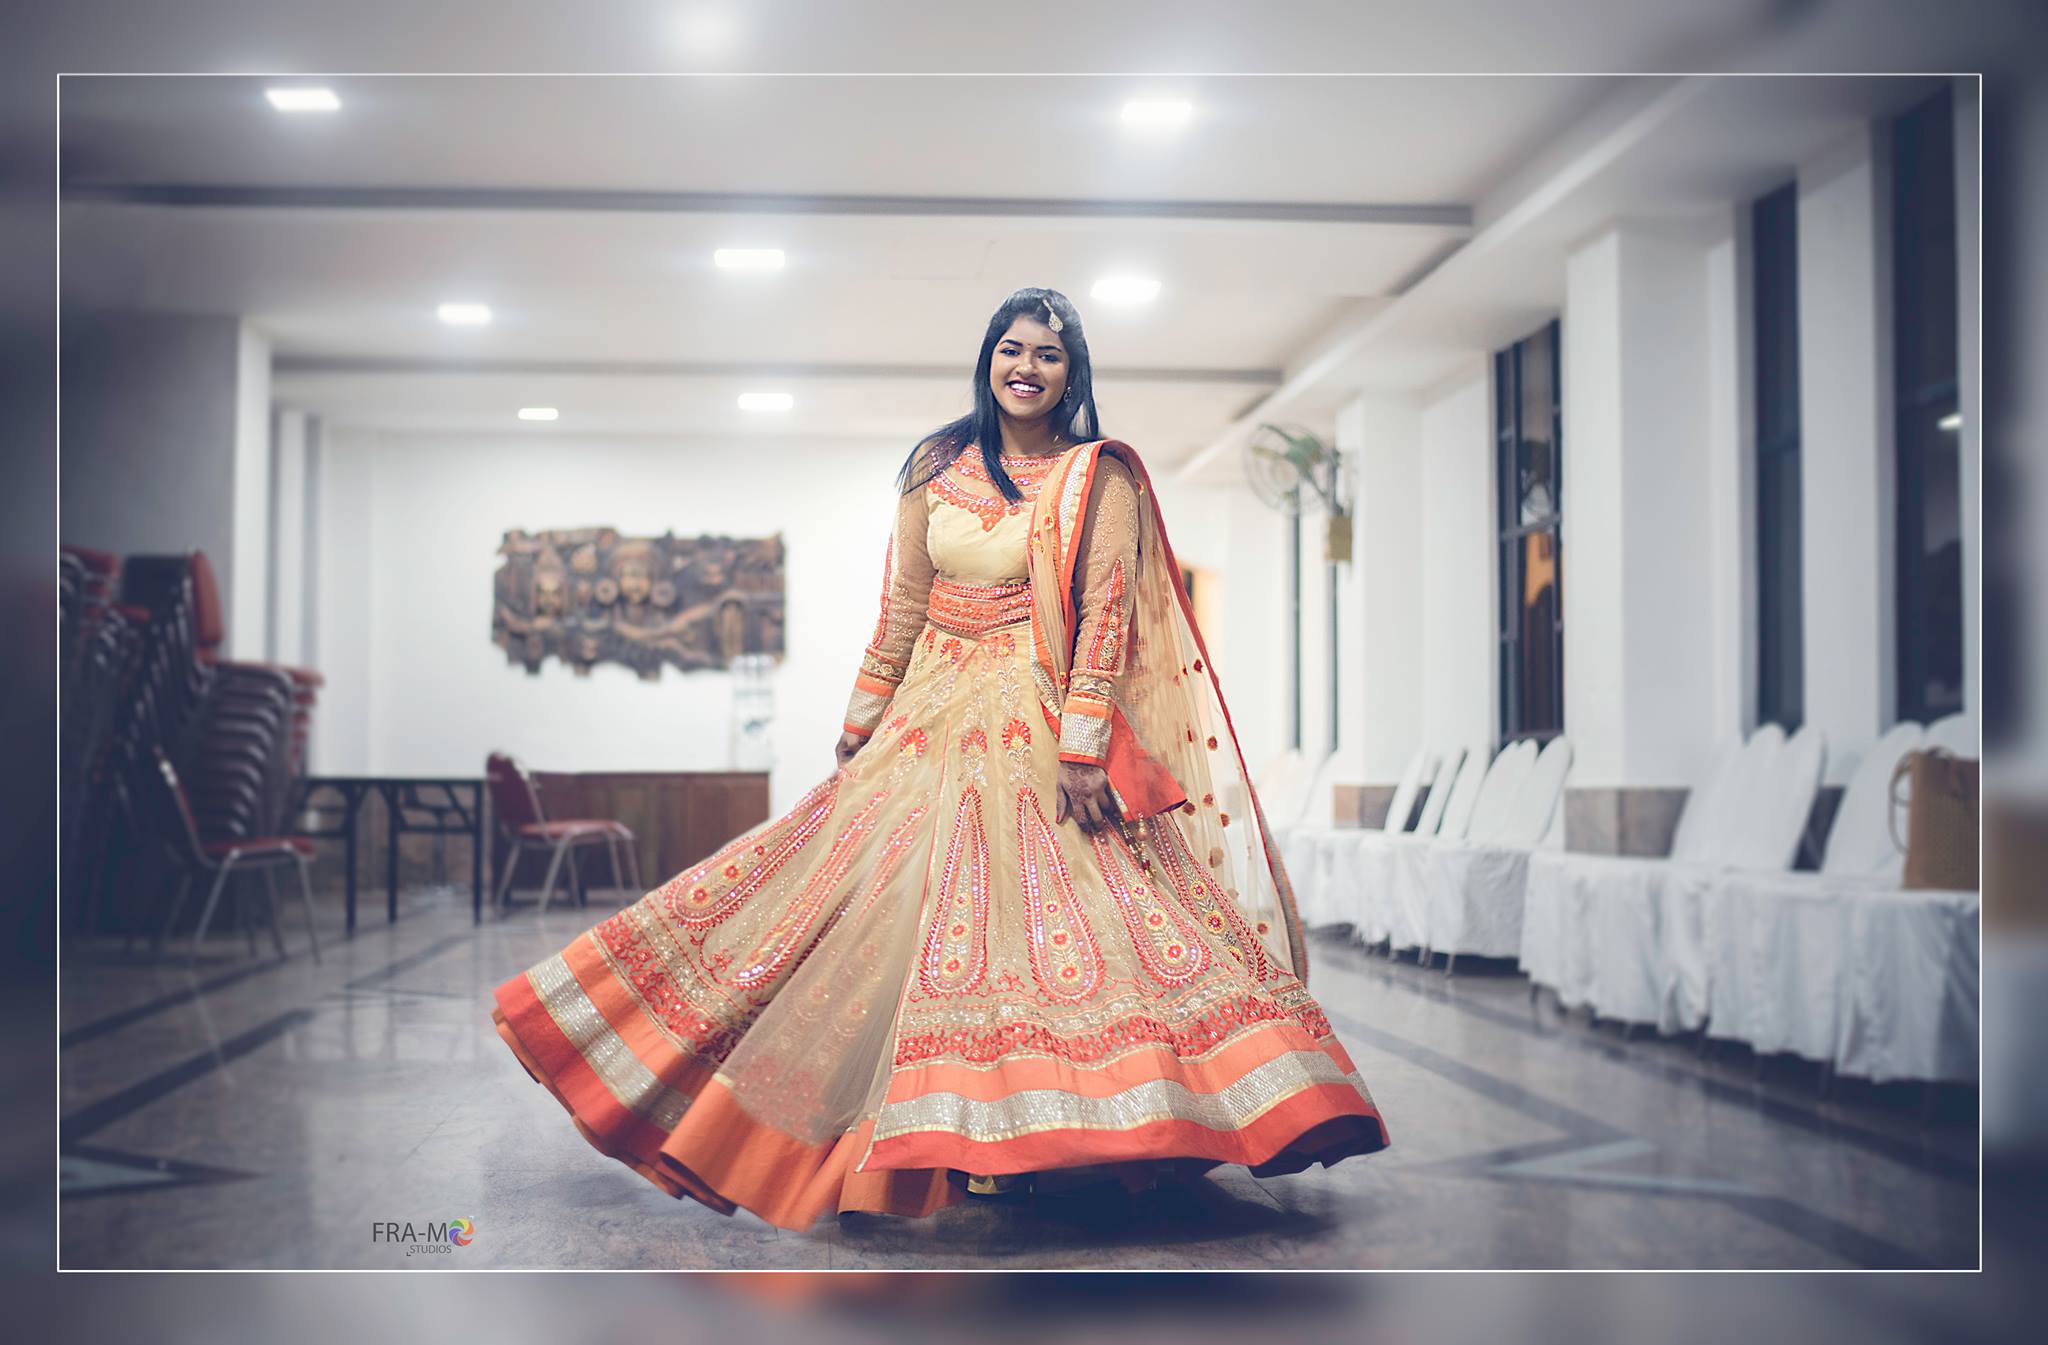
{"points": [[1168, 947], [1064, 956], [1205, 898], [695, 899], [789, 931], [956, 944]]}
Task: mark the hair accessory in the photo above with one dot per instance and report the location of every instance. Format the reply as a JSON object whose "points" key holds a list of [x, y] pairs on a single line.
{"points": [[1052, 319]]}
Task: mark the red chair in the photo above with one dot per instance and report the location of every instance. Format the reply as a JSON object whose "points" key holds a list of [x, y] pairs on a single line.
{"points": [[221, 859], [515, 802]]}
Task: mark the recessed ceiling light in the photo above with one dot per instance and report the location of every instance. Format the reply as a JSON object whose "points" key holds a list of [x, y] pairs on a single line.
{"points": [[1952, 421], [465, 315], [1161, 112], [749, 259], [539, 413], [302, 100], [766, 401], [1126, 289], [707, 31]]}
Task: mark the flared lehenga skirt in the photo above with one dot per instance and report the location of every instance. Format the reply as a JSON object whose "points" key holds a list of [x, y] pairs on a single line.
{"points": [[916, 973]]}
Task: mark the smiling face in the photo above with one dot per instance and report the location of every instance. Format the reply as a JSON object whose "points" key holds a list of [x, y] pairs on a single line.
{"points": [[1028, 356]]}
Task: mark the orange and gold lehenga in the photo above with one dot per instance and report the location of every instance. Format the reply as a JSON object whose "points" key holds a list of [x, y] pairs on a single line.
{"points": [[916, 973]]}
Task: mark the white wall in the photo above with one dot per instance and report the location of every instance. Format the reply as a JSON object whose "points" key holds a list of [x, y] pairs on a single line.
{"points": [[338, 635], [1225, 529], [152, 453], [288, 540], [1458, 645], [1846, 452], [409, 531]]}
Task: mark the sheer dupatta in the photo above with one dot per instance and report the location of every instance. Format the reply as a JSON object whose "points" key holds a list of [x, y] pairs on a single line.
{"points": [[1173, 754]]}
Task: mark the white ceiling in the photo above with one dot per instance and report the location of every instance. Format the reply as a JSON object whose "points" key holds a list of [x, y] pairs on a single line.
{"points": [[1286, 222], [1252, 138], [1286, 208]]}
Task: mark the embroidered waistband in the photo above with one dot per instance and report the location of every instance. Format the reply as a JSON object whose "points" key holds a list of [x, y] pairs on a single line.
{"points": [[976, 609]]}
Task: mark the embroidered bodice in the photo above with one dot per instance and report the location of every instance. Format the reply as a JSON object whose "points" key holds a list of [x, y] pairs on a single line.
{"points": [[973, 534], [958, 558]]}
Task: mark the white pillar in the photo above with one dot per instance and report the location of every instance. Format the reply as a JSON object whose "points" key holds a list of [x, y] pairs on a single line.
{"points": [[1846, 452], [1638, 601], [248, 600], [1731, 477], [1385, 715], [1459, 647]]}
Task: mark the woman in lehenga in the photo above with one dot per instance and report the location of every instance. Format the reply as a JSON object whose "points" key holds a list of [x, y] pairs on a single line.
{"points": [[1031, 929]]}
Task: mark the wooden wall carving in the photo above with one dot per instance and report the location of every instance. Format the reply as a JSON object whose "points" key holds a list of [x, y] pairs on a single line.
{"points": [[588, 596]]}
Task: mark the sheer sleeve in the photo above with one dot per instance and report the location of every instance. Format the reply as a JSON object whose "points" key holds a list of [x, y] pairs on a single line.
{"points": [[1107, 579], [906, 588]]}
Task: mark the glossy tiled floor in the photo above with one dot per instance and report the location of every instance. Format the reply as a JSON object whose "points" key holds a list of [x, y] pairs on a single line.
{"points": [[252, 1111]]}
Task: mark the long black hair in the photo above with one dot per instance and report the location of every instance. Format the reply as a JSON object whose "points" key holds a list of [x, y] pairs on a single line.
{"points": [[1075, 416]]}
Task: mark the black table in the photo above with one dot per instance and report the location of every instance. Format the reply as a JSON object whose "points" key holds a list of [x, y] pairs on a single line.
{"points": [[452, 805]]}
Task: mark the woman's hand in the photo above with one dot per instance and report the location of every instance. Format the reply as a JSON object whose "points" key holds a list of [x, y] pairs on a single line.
{"points": [[849, 743], [1084, 794]]}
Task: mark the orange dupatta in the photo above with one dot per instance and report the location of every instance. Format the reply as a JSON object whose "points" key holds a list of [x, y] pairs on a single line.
{"points": [[1170, 723]]}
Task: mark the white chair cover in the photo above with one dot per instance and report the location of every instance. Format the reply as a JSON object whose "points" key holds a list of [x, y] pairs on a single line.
{"points": [[1420, 768], [1472, 889], [1696, 817], [1594, 925], [1496, 799], [1529, 814], [1431, 820], [1464, 795], [1860, 838], [1771, 820]]}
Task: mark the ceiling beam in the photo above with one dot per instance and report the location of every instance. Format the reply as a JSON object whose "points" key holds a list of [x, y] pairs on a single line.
{"points": [[1456, 219], [946, 373]]}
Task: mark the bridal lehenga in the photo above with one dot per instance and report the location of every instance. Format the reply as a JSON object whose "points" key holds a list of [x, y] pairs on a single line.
{"points": [[919, 977]]}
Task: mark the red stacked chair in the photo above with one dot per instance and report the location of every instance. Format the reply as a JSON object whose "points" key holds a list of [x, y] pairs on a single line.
{"points": [[221, 860], [147, 691]]}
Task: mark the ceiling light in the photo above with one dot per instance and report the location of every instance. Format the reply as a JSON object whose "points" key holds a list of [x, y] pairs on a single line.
{"points": [[1126, 289], [539, 413], [766, 401], [1952, 421], [749, 259], [303, 100], [707, 32], [1157, 112], [465, 315]]}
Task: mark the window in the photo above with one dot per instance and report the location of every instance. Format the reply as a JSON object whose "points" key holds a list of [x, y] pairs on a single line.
{"points": [[1294, 622], [1774, 281], [1330, 582], [1528, 424], [1927, 411]]}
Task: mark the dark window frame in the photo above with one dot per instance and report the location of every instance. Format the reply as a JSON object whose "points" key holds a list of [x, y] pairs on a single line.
{"points": [[1513, 534], [1926, 380], [1780, 521]]}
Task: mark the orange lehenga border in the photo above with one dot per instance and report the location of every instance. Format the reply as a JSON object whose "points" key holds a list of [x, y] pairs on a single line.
{"points": [[719, 1155]]}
